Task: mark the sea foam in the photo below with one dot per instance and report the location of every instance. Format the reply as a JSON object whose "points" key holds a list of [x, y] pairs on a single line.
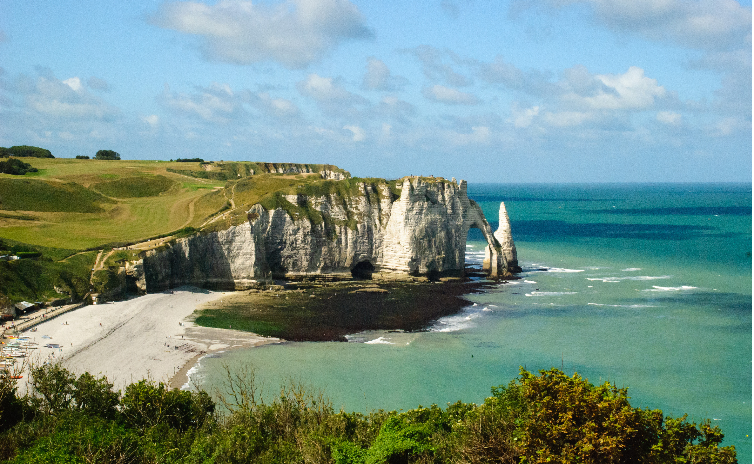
{"points": [[619, 279], [656, 288], [379, 341]]}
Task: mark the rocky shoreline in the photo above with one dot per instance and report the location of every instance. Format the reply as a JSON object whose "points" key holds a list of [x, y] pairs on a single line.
{"points": [[328, 311]]}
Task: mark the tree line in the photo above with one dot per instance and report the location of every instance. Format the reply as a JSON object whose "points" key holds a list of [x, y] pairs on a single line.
{"points": [[536, 418], [26, 151]]}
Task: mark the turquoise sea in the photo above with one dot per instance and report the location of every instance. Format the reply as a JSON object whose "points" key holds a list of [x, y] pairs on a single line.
{"points": [[645, 286]]}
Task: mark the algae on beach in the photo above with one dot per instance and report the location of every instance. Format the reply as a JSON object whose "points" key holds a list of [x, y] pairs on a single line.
{"points": [[330, 311]]}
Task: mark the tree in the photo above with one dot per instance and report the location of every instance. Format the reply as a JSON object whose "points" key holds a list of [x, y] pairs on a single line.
{"points": [[82, 157], [16, 167], [107, 155], [55, 385], [22, 151]]}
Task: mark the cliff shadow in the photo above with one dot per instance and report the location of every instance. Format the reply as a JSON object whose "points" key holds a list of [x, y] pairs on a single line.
{"points": [[363, 270], [205, 264]]}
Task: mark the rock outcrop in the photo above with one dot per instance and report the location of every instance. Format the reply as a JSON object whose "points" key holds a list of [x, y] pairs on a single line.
{"points": [[505, 238], [421, 231]]}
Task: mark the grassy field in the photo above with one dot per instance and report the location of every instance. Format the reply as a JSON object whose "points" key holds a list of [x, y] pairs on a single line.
{"points": [[84, 204], [73, 206]]}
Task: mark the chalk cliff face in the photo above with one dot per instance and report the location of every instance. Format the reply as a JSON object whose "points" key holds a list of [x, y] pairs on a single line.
{"points": [[423, 231]]}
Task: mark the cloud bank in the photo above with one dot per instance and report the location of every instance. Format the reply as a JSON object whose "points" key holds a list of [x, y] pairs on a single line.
{"points": [[294, 33]]}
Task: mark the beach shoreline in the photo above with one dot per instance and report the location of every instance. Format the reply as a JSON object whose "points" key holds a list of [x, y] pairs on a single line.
{"points": [[147, 337]]}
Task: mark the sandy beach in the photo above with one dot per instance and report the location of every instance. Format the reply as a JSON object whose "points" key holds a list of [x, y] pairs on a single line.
{"points": [[150, 336]]}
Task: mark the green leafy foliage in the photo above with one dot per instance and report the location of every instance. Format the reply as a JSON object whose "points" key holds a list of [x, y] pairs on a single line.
{"points": [[107, 155], [82, 157], [22, 151], [16, 167], [147, 404], [549, 417]]}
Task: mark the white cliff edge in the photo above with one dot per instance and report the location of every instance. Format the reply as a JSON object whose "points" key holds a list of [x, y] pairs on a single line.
{"points": [[422, 232]]}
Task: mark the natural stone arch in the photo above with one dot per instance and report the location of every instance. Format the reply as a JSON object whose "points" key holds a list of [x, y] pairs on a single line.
{"points": [[494, 263]]}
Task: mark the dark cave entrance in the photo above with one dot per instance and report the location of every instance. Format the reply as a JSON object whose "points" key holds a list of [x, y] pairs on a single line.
{"points": [[363, 270]]}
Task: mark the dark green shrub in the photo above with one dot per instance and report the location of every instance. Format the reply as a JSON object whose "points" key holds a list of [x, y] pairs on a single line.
{"points": [[107, 155], [399, 441], [15, 167], [25, 151], [54, 386], [146, 404], [11, 407], [95, 397]]}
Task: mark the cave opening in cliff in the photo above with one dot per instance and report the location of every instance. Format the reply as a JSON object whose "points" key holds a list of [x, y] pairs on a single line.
{"points": [[363, 270], [131, 287]]}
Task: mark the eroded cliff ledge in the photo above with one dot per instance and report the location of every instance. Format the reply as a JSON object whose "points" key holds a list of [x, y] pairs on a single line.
{"points": [[341, 228]]}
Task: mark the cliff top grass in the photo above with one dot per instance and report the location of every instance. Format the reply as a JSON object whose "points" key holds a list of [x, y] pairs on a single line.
{"points": [[81, 204], [85, 204]]}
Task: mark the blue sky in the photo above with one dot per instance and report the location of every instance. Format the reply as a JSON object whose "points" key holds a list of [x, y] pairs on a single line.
{"points": [[516, 91]]}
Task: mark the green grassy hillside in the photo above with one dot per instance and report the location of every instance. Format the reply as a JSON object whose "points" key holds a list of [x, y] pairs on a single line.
{"points": [[49, 196], [72, 206]]}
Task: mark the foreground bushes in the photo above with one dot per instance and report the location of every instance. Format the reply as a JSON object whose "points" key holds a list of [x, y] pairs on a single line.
{"points": [[548, 417]]}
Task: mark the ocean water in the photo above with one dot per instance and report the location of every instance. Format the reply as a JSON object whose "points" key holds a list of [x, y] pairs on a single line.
{"points": [[644, 286]]}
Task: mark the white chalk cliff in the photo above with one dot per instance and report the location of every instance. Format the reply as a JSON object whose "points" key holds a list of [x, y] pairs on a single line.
{"points": [[422, 232]]}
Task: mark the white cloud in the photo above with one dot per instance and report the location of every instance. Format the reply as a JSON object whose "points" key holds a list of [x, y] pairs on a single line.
{"points": [[358, 133], [294, 33], [324, 89], [386, 130], [479, 135], [669, 117], [329, 94], [436, 66], [74, 83], [726, 127], [153, 120], [378, 77], [66, 99], [278, 107], [704, 24], [568, 118], [448, 95], [523, 117], [217, 103], [632, 90]]}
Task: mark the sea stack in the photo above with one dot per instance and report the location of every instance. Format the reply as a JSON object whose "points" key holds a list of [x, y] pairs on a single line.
{"points": [[503, 235]]}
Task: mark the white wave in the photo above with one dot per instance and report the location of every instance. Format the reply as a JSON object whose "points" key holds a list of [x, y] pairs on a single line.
{"points": [[560, 269], [622, 306], [451, 324], [656, 288], [635, 278], [192, 375], [487, 309], [631, 269], [459, 321], [529, 282], [379, 341], [550, 293]]}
